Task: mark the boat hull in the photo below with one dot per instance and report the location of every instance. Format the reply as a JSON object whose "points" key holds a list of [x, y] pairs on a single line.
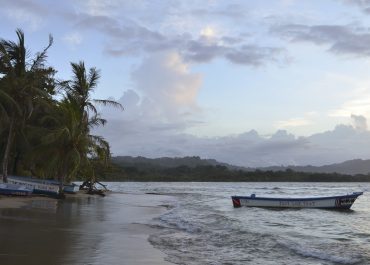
{"points": [[14, 190], [71, 188], [333, 202], [38, 187]]}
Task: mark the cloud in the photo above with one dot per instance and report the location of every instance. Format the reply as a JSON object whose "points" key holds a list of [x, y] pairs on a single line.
{"points": [[229, 11], [363, 4], [162, 105], [25, 12], [342, 143], [167, 81], [293, 122], [127, 36], [359, 122], [99, 7], [341, 39], [73, 39], [358, 105], [162, 101]]}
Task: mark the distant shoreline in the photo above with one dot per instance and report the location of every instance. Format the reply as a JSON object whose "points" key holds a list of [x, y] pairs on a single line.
{"points": [[226, 181], [217, 173], [195, 169]]}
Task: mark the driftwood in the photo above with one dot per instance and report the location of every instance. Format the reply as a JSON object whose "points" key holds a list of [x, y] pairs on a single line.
{"points": [[90, 187]]}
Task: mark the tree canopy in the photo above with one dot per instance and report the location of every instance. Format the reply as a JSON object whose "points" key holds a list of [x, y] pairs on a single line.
{"points": [[45, 123]]}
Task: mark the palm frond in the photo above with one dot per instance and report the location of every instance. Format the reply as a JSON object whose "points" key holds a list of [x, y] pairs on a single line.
{"points": [[94, 76], [41, 56], [92, 108], [107, 102], [96, 121]]}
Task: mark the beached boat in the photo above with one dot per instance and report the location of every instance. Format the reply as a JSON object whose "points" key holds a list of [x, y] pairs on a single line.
{"points": [[68, 188], [38, 186], [332, 202], [14, 190], [71, 188]]}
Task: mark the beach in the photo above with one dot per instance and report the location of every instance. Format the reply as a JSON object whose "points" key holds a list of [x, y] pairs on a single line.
{"points": [[81, 229]]}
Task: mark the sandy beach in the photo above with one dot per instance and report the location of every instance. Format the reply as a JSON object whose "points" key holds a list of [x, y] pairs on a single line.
{"points": [[82, 229]]}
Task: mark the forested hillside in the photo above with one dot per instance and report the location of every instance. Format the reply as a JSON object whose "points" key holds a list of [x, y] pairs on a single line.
{"points": [[196, 169]]}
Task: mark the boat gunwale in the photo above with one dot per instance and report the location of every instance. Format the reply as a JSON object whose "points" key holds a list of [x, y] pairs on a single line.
{"points": [[42, 181], [353, 195]]}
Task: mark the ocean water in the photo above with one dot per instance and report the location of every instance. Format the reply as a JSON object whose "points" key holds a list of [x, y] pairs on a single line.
{"points": [[202, 227]]}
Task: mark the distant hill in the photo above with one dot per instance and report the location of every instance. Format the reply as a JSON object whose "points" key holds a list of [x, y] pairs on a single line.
{"points": [[168, 162], [350, 167], [127, 168]]}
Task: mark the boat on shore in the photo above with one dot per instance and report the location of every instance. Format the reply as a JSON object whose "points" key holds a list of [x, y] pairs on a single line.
{"points": [[14, 190], [38, 186], [68, 188], [330, 202], [71, 188]]}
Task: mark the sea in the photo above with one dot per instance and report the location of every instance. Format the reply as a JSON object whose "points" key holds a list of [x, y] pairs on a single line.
{"points": [[188, 224], [201, 226]]}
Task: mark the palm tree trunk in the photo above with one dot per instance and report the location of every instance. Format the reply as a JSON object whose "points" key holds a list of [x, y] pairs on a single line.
{"points": [[62, 177], [8, 148], [16, 162], [61, 188]]}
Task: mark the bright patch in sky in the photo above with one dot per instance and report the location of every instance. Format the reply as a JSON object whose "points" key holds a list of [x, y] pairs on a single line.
{"points": [[246, 82]]}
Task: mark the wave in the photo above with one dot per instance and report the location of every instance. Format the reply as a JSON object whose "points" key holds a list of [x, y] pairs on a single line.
{"points": [[310, 252]]}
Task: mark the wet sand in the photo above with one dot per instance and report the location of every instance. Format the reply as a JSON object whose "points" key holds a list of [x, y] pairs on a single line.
{"points": [[80, 230]]}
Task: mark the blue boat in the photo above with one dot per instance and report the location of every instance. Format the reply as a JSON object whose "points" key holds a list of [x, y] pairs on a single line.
{"points": [[14, 190], [68, 188], [331, 202], [37, 185]]}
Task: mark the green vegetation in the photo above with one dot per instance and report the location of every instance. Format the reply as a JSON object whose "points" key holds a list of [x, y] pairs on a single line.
{"points": [[45, 124], [196, 169]]}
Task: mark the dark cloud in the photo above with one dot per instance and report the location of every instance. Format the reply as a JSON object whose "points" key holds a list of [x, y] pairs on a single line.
{"points": [[231, 11], [199, 51], [128, 37], [125, 29], [31, 7], [25, 14], [140, 31], [253, 55], [345, 39], [364, 5]]}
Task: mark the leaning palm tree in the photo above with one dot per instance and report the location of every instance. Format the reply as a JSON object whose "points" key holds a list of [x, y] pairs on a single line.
{"points": [[22, 77], [78, 91]]}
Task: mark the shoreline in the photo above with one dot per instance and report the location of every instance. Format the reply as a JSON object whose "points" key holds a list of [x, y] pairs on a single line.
{"points": [[92, 229]]}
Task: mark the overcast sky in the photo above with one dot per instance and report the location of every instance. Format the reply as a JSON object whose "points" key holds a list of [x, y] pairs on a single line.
{"points": [[253, 83]]}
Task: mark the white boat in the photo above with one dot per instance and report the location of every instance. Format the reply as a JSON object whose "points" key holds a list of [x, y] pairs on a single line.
{"points": [[38, 186], [330, 202], [68, 188], [71, 188], [14, 190]]}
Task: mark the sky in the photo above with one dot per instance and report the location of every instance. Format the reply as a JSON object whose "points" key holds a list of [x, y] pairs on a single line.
{"points": [[251, 83]]}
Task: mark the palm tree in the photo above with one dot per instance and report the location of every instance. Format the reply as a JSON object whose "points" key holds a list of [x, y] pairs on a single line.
{"points": [[67, 141], [78, 91], [22, 78], [81, 87]]}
